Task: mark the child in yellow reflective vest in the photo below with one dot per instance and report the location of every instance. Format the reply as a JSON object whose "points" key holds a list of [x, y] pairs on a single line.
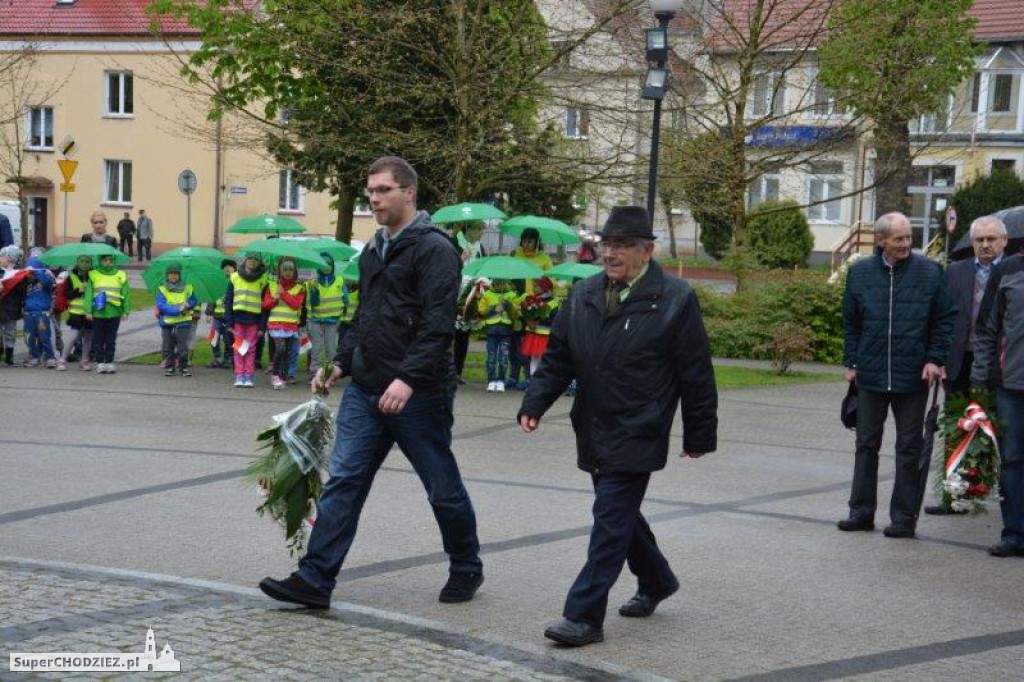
{"points": [[498, 310], [107, 300], [325, 303], [174, 304], [284, 300]]}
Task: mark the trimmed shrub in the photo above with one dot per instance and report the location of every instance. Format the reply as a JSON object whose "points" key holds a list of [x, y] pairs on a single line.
{"points": [[779, 235]]}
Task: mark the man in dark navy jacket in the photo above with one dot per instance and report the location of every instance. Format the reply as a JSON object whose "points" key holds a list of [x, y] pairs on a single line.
{"points": [[897, 322]]}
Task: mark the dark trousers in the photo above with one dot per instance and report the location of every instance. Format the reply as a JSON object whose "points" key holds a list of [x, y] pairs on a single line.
{"points": [[174, 349], [620, 535], [126, 245], [460, 348], [281, 356], [423, 431], [1010, 404], [104, 338], [145, 246], [961, 383], [908, 410]]}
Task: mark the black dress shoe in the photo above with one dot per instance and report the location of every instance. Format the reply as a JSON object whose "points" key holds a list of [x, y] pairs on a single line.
{"points": [[642, 605], [460, 587], [1004, 549], [856, 524], [295, 590], [943, 510], [571, 633], [898, 531]]}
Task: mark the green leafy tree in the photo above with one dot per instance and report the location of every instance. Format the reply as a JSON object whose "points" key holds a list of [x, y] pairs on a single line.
{"points": [[983, 196], [780, 235], [897, 59], [453, 86]]}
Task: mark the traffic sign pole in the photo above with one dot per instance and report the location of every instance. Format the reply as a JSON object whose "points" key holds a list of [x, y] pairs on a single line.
{"points": [[67, 169], [187, 185]]}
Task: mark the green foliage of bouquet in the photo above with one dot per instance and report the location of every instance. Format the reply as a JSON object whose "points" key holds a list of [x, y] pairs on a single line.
{"points": [[289, 472], [969, 484]]}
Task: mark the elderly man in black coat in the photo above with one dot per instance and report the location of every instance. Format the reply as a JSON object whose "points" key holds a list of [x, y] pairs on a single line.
{"points": [[634, 340]]}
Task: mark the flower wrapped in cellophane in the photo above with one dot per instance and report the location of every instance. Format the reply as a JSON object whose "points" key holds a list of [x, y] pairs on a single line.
{"points": [[969, 471], [289, 472]]}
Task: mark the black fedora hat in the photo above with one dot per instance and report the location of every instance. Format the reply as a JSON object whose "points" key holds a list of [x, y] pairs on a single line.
{"points": [[627, 221]]}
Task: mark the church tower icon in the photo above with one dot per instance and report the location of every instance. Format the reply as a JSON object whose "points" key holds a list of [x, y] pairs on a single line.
{"points": [[164, 662]]}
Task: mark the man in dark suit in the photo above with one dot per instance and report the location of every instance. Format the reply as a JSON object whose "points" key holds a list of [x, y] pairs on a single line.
{"points": [[966, 281], [634, 340]]}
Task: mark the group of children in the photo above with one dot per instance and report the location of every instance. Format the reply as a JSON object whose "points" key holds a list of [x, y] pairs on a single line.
{"points": [[94, 298]]}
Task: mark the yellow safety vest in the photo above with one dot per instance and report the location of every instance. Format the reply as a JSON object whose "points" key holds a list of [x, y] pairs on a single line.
{"points": [[282, 312], [177, 298], [218, 307], [489, 300], [348, 311], [110, 285], [76, 306], [247, 294], [330, 304]]}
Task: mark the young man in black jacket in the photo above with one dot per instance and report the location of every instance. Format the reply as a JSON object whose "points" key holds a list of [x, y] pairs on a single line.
{"points": [[398, 353]]}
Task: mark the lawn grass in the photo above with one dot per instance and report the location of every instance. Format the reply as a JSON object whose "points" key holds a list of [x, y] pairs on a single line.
{"points": [[727, 377], [142, 298]]}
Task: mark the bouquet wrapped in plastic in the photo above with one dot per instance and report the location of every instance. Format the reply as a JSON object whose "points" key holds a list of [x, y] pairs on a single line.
{"points": [[289, 472], [969, 475]]}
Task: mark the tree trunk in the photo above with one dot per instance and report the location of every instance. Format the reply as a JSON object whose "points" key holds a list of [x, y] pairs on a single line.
{"points": [[892, 165], [667, 205], [346, 207]]}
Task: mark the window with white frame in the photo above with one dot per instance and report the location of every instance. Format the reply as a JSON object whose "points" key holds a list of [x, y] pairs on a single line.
{"points": [[117, 182], [825, 102], [767, 94], [764, 188], [577, 123], [120, 93], [825, 184], [1001, 88], [40, 128], [289, 192]]}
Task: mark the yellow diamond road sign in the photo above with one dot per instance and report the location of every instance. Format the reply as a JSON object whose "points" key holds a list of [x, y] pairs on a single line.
{"points": [[67, 168], [67, 187]]}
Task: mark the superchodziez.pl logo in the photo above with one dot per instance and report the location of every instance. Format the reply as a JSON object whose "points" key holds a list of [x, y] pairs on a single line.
{"points": [[148, 660]]}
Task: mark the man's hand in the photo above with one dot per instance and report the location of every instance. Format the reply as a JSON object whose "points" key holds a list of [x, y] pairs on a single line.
{"points": [[851, 375], [528, 424], [692, 455], [932, 373], [395, 397], [322, 383]]}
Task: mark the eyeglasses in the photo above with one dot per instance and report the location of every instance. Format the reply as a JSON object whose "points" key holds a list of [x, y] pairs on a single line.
{"points": [[619, 245], [381, 191]]}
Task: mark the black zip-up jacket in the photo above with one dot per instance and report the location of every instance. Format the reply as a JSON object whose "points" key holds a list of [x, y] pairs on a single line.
{"points": [[999, 348], [896, 319], [634, 367], [405, 322]]}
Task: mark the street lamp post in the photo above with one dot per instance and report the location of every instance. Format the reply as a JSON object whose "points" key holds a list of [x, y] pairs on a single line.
{"points": [[656, 84]]}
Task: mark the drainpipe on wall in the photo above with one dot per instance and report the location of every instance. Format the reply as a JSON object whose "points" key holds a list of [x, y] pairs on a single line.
{"points": [[219, 180]]}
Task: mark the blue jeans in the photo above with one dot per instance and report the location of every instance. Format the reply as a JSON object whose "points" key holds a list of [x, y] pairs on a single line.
{"points": [[1010, 406], [423, 431], [499, 349], [37, 336]]}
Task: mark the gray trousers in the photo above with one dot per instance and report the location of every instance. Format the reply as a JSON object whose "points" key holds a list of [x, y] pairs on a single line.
{"points": [[175, 344], [83, 333], [323, 337], [872, 409]]}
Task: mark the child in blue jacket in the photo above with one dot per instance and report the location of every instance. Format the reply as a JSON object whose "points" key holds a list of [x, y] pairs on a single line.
{"points": [[38, 305]]}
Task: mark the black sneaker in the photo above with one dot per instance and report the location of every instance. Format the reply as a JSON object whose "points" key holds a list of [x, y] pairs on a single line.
{"points": [[295, 590], [169, 372], [186, 371], [460, 587]]}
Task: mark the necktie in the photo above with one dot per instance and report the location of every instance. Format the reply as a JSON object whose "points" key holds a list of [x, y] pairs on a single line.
{"points": [[615, 290]]}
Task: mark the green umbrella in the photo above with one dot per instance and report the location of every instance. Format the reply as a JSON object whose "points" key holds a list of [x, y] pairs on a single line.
{"points": [[267, 224], [280, 248], [502, 267], [573, 271], [339, 251], [351, 270], [461, 213], [65, 255], [182, 253], [551, 231], [207, 280]]}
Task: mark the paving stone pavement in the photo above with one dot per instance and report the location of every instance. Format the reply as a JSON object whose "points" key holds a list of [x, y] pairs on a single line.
{"points": [[226, 633]]}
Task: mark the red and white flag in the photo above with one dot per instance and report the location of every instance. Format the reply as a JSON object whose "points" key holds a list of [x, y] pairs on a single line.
{"points": [[11, 279], [304, 344], [213, 337], [241, 345]]}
